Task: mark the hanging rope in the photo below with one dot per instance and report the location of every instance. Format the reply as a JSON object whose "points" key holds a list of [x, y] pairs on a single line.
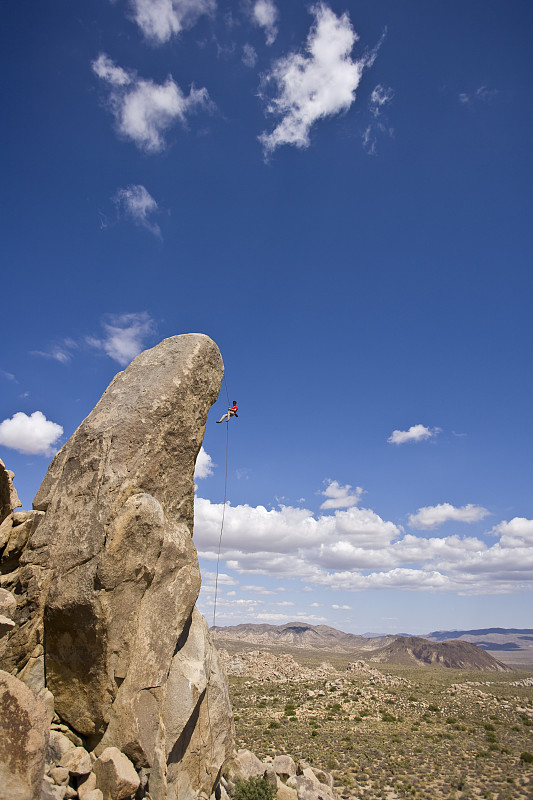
{"points": [[223, 514]]}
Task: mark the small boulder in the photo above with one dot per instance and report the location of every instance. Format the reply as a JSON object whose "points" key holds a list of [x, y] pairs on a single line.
{"points": [[245, 765], [58, 746], [284, 766], [77, 761], [87, 786], [115, 775]]}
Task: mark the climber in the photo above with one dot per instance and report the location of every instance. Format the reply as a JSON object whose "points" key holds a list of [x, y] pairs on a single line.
{"points": [[231, 412]]}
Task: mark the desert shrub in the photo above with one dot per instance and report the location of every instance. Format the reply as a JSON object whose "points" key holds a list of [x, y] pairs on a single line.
{"points": [[274, 724], [261, 704], [489, 727], [526, 757], [431, 707], [254, 789], [386, 717]]}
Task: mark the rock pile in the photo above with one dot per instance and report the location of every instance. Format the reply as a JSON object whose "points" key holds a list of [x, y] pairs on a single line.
{"points": [[265, 666], [97, 603], [293, 781]]}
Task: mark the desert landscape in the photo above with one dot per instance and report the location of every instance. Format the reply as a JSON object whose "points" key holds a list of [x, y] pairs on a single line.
{"points": [[385, 730]]}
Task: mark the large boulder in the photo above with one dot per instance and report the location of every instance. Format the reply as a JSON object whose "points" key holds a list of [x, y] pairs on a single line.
{"points": [[24, 730], [108, 577]]}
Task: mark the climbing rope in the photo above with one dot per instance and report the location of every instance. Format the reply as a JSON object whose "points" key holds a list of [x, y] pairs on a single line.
{"points": [[223, 513]]}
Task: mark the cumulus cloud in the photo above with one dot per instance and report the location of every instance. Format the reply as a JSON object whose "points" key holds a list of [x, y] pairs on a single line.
{"points": [[340, 496], [518, 532], [159, 20], [265, 15], [144, 110], [416, 433], [355, 549], [30, 434], [431, 516], [136, 203], [124, 337], [315, 85], [204, 465]]}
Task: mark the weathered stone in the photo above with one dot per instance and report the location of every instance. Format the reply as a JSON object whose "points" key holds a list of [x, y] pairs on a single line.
{"points": [[50, 790], [77, 761], [115, 775], [58, 746], [244, 765], [284, 766], [24, 725], [6, 625], [107, 577], [285, 792], [86, 785], [59, 775], [8, 604], [95, 794], [9, 500]]}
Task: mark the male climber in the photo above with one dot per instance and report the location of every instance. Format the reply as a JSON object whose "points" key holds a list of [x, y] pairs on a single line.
{"points": [[231, 412]]}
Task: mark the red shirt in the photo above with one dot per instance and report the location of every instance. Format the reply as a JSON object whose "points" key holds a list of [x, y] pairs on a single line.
{"points": [[234, 407]]}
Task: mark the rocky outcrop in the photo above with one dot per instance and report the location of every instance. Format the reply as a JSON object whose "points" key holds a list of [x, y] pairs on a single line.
{"points": [[9, 499], [105, 577]]}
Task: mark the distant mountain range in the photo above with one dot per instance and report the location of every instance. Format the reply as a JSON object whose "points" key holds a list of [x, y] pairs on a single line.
{"points": [[472, 649]]}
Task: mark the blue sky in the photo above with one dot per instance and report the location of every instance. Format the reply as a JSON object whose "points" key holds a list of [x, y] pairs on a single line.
{"points": [[338, 194]]}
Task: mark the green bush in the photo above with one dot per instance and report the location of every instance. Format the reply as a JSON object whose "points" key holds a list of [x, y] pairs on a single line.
{"points": [[526, 757], [254, 789]]}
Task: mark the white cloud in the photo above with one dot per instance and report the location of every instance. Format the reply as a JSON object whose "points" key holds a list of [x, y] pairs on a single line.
{"points": [[357, 550], [138, 204], [204, 465], [431, 516], [416, 433], [379, 98], [341, 608], [249, 56], [518, 532], [340, 496], [30, 434], [265, 15], [144, 110], [125, 336], [319, 84], [159, 20]]}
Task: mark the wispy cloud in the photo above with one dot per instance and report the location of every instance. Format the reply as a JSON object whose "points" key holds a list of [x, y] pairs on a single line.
{"points": [[265, 15], [416, 433], [340, 496], [159, 20], [136, 203], [379, 99], [481, 95], [125, 336], [62, 351], [432, 516], [30, 434], [144, 110], [316, 85], [249, 56]]}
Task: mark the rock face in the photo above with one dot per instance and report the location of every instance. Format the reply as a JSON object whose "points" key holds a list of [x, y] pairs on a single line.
{"points": [[9, 499], [108, 577]]}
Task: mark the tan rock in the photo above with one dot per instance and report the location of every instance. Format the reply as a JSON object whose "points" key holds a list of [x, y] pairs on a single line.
{"points": [[284, 766], [284, 792], [244, 765], [24, 726], [95, 794], [9, 500], [8, 604], [77, 761], [59, 775], [58, 745], [86, 786], [115, 775]]}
